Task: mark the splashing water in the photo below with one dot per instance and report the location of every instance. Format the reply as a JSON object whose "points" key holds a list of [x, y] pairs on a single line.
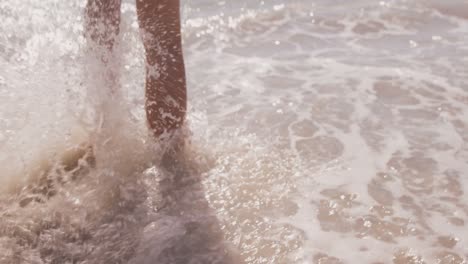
{"points": [[324, 132]]}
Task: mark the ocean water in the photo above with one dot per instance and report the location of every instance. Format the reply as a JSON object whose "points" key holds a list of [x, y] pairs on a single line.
{"points": [[325, 131]]}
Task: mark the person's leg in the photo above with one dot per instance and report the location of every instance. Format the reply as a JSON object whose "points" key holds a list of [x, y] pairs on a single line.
{"points": [[102, 23], [166, 95]]}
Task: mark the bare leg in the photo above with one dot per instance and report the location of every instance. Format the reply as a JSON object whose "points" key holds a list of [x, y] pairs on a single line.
{"points": [[166, 95], [102, 23]]}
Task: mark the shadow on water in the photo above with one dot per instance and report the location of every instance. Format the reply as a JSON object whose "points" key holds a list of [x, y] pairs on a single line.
{"points": [[184, 229]]}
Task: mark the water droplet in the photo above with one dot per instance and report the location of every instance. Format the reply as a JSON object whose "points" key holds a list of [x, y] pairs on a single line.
{"points": [[278, 7]]}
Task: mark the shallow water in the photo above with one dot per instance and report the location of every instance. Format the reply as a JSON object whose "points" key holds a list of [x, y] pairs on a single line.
{"points": [[320, 132]]}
